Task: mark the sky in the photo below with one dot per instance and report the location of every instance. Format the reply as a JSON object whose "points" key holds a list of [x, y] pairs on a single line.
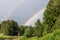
{"points": [[22, 11]]}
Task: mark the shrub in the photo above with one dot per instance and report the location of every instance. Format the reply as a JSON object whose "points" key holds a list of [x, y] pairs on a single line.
{"points": [[52, 36]]}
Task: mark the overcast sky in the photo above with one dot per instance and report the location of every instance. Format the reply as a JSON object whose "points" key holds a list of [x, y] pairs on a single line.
{"points": [[20, 10]]}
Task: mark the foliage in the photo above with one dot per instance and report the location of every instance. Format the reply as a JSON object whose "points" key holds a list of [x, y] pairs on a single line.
{"points": [[13, 29], [38, 29], [9, 27], [22, 30], [51, 13], [52, 36], [0, 28], [28, 32], [45, 30], [57, 24], [5, 27]]}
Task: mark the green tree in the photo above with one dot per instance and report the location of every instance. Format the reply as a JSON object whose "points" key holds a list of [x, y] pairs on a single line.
{"points": [[13, 29], [4, 27], [9, 27], [28, 31], [51, 13], [0, 28], [38, 29], [45, 30], [22, 30], [57, 24]]}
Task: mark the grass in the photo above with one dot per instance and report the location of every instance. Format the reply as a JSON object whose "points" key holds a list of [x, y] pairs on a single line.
{"points": [[51, 36], [8, 37]]}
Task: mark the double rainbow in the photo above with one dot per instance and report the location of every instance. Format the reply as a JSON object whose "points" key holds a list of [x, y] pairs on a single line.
{"points": [[34, 16], [30, 19]]}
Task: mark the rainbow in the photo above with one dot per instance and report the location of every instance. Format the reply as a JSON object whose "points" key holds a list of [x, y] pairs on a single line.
{"points": [[13, 9], [34, 16], [30, 19]]}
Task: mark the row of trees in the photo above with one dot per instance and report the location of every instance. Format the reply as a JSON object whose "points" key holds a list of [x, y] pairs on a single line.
{"points": [[10, 27]]}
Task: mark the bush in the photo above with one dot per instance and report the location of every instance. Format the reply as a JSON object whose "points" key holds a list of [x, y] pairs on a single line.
{"points": [[52, 36]]}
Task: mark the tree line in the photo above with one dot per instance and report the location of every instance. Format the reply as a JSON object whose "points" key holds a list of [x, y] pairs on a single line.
{"points": [[11, 28]]}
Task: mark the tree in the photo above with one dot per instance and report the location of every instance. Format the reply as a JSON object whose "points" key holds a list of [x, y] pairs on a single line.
{"points": [[45, 28], [4, 27], [38, 29], [0, 28], [57, 24], [51, 13], [13, 29], [28, 31], [22, 30], [9, 27]]}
